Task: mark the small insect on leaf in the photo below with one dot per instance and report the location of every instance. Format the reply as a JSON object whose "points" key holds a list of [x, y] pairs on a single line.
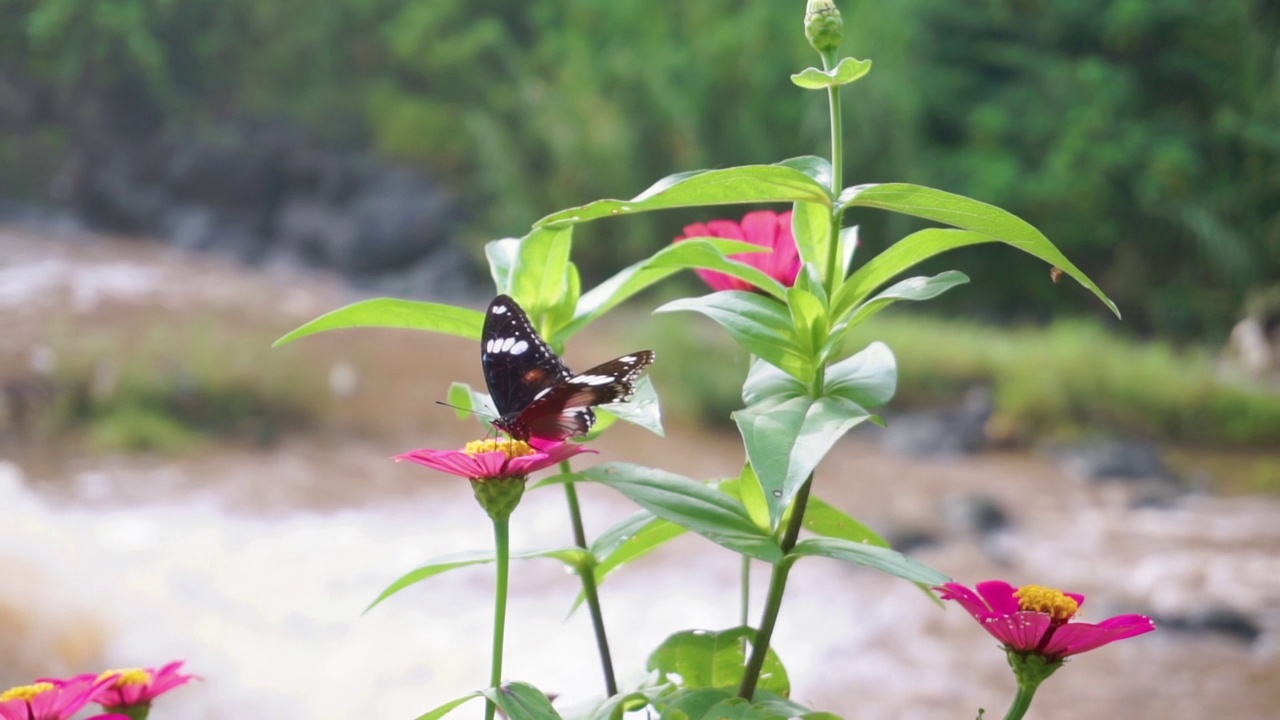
{"points": [[1055, 274]]}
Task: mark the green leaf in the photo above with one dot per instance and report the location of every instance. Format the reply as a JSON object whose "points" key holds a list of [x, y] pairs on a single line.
{"points": [[642, 409], [751, 493], [809, 318], [709, 257], [573, 557], [502, 256], [736, 708], [968, 214], [538, 276], [849, 70], [728, 186], [816, 167], [826, 519], [765, 381], [898, 258], [633, 538], [786, 438], [706, 660], [448, 707], [809, 279], [631, 280], [787, 708], [848, 248], [760, 325], [914, 289], [689, 504], [389, 312], [868, 378], [880, 558], [693, 704], [562, 314], [522, 701], [468, 402], [811, 227]]}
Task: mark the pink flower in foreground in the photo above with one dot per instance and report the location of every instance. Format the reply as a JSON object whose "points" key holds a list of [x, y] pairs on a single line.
{"points": [[50, 699], [765, 228], [137, 687], [493, 459], [1037, 620], [497, 467]]}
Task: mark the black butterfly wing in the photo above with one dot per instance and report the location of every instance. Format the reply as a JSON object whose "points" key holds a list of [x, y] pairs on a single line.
{"points": [[517, 363], [564, 411]]}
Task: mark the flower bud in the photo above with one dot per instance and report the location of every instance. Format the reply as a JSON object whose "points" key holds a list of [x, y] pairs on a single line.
{"points": [[823, 25]]}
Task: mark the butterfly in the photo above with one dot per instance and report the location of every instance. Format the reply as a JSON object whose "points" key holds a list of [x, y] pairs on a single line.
{"points": [[534, 392]]}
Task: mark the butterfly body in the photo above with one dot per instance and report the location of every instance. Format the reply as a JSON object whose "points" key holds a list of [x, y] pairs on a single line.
{"points": [[535, 393]]}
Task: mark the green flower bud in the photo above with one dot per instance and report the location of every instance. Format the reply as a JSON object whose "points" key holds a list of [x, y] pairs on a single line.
{"points": [[499, 496], [823, 25]]}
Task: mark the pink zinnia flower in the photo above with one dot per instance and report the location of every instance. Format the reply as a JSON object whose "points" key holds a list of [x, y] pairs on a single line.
{"points": [[765, 228], [497, 467], [50, 700], [137, 687], [493, 459], [1037, 620]]}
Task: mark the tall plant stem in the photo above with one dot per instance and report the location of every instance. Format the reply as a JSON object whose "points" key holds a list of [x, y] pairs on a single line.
{"points": [[502, 548], [834, 256], [589, 592], [1021, 702], [773, 601]]}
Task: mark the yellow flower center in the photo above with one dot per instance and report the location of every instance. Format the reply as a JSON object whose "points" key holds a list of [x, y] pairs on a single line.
{"points": [[128, 676], [513, 448], [25, 692], [1050, 601]]}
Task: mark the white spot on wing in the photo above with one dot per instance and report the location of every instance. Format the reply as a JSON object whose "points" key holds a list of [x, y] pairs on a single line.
{"points": [[499, 310], [507, 343], [519, 347], [627, 358], [592, 379]]}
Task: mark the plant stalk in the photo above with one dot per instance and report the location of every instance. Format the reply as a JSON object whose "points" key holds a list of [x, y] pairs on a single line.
{"points": [[773, 601], [834, 256], [1021, 701], [745, 608], [502, 548], [589, 591]]}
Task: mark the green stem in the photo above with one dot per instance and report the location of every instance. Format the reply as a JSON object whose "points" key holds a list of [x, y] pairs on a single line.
{"points": [[773, 601], [746, 590], [589, 591], [1021, 702], [837, 175], [502, 547]]}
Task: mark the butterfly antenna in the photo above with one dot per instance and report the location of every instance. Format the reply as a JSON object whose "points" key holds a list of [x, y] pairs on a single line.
{"points": [[484, 415]]}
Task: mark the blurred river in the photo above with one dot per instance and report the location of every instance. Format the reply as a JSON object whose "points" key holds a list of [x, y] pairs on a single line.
{"points": [[254, 564]]}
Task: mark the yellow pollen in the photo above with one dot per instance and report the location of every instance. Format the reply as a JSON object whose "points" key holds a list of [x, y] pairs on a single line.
{"points": [[513, 448], [1049, 601], [128, 676], [25, 692]]}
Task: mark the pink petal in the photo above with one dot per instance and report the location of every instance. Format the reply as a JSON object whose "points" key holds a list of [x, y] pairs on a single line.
{"points": [[1077, 597], [549, 455], [1075, 638], [999, 596], [13, 710], [1021, 631], [761, 227], [727, 229], [967, 598], [454, 462]]}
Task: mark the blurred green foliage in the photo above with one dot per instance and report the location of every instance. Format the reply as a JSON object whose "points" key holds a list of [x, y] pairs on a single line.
{"points": [[1140, 135], [169, 393], [1075, 378]]}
